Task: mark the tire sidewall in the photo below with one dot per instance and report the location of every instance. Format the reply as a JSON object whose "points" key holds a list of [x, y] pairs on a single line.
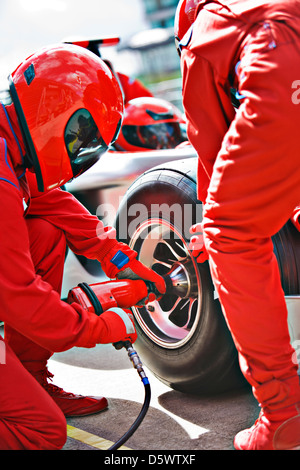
{"points": [[203, 362]]}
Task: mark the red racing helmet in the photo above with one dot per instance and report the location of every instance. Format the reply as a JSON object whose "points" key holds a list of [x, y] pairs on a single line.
{"points": [[70, 107], [151, 123], [184, 18]]}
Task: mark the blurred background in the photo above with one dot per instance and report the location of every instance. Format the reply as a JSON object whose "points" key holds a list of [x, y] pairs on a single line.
{"points": [[145, 27]]}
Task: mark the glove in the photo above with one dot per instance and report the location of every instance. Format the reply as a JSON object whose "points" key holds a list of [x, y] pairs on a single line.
{"points": [[120, 261], [111, 326], [137, 270], [119, 326], [196, 245]]}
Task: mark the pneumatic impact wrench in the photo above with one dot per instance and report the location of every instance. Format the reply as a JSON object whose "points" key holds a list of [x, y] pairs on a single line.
{"points": [[127, 293]]}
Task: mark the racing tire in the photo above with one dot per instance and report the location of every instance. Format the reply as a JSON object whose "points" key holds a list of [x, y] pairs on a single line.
{"points": [[184, 342]]}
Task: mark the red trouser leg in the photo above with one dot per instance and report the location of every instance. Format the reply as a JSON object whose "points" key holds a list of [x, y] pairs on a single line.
{"points": [[47, 247], [29, 418], [252, 193]]}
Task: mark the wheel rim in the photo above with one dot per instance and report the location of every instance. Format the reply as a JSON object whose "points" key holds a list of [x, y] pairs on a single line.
{"points": [[169, 322]]}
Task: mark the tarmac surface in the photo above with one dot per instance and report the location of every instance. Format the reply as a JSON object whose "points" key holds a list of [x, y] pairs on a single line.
{"points": [[175, 421]]}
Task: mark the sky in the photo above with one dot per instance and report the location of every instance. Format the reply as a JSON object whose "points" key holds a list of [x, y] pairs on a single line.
{"points": [[27, 25]]}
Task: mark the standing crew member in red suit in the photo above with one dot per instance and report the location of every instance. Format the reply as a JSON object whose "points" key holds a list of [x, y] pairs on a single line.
{"points": [[66, 109], [248, 180]]}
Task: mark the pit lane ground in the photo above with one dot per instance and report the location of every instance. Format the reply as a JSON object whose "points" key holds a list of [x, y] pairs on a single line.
{"points": [[175, 421]]}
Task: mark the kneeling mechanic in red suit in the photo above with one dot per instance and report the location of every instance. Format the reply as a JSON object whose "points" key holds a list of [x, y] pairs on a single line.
{"points": [[66, 110]]}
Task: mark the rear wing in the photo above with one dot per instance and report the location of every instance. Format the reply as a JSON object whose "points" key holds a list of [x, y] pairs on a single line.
{"points": [[94, 45]]}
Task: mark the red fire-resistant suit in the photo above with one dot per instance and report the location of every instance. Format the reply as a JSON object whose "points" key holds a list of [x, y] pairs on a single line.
{"points": [[33, 236], [249, 172]]}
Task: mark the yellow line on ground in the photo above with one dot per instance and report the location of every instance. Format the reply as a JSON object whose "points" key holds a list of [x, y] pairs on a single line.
{"points": [[90, 439]]}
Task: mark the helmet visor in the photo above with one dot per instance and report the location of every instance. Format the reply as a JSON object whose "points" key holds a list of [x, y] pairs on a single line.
{"points": [[165, 135], [83, 141]]}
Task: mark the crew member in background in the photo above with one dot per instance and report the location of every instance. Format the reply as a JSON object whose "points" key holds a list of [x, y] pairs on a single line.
{"points": [[66, 110], [248, 180]]}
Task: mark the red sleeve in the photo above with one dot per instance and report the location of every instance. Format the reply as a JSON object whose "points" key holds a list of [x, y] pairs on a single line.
{"points": [[29, 304], [85, 233]]}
